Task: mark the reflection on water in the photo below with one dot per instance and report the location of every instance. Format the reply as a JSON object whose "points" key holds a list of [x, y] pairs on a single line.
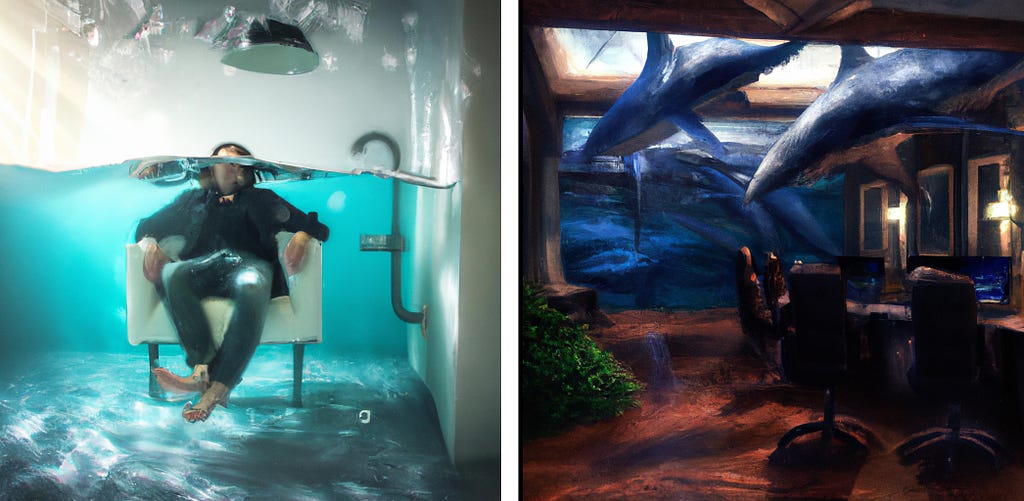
{"points": [[81, 426]]}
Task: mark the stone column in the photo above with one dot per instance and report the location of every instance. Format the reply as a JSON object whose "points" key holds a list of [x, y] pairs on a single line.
{"points": [[541, 138]]}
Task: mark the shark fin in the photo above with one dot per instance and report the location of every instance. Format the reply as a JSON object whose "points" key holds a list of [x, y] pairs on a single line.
{"points": [[851, 58], [690, 123], [659, 51]]}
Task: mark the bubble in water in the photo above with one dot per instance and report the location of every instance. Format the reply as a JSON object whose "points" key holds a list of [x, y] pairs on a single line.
{"points": [[328, 61], [410, 20], [388, 61], [353, 19], [336, 202]]}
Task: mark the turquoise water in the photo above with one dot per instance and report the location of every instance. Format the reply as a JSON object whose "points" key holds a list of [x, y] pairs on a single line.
{"points": [[79, 425], [76, 421], [64, 234]]}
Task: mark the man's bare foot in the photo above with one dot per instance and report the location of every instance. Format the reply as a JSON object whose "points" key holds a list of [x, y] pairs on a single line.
{"points": [[198, 382], [216, 394]]}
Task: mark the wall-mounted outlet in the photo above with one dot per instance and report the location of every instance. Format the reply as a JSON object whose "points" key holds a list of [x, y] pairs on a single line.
{"points": [[381, 243]]}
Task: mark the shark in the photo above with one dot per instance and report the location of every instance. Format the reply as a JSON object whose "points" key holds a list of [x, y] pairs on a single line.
{"points": [[732, 173], [675, 80], [722, 181], [873, 108]]}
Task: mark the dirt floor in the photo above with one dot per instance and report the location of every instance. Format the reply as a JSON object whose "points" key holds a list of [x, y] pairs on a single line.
{"points": [[708, 433]]}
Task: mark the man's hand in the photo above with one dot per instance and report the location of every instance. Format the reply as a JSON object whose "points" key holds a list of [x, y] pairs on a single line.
{"points": [[295, 252], [153, 261]]}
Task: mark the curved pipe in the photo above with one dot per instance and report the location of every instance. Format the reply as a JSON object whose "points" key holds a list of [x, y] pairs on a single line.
{"points": [[411, 317], [396, 271], [360, 145]]}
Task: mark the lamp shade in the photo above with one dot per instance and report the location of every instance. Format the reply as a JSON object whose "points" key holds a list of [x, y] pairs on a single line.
{"points": [[273, 47]]}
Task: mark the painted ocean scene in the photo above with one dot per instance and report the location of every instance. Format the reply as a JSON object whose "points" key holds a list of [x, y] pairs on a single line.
{"points": [[659, 228]]}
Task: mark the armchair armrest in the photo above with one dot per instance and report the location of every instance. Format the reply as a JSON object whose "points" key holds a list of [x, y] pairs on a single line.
{"points": [[305, 287], [142, 298]]}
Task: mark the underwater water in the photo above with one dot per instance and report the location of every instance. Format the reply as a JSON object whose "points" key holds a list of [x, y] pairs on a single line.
{"points": [[77, 425], [76, 420], [660, 228], [64, 237]]}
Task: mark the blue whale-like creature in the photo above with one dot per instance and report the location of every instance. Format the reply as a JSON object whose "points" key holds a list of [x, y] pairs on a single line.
{"points": [[723, 181], [672, 82], [871, 109], [783, 206]]}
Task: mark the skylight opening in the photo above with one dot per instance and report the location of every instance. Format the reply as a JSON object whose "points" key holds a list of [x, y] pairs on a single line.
{"points": [[616, 54]]}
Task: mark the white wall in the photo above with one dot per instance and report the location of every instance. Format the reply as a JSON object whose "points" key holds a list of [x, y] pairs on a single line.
{"points": [[478, 356], [175, 98], [457, 254]]}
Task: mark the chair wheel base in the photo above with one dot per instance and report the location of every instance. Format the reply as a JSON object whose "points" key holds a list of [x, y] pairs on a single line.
{"points": [[946, 449], [847, 444]]}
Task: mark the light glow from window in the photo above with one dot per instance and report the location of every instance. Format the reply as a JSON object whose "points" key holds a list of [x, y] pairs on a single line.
{"points": [[603, 54]]}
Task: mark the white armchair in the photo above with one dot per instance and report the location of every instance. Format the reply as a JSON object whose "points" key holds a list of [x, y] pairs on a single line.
{"points": [[295, 319]]}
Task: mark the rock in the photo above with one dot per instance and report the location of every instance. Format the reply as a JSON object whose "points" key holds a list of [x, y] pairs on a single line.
{"points": [[579, 303]]}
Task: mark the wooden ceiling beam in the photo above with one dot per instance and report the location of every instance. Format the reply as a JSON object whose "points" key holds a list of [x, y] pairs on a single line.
{"points": [[868, 22]]}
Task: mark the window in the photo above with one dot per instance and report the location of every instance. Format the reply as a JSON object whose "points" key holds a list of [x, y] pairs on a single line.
{"points": [[935, 211], [873, 206], [989, 205]]}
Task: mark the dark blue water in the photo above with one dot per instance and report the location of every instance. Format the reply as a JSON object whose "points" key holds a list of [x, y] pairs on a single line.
{"points": [[652, 231]]}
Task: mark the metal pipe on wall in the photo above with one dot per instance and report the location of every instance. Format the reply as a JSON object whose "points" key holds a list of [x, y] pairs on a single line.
{"points": [[393, 243]]}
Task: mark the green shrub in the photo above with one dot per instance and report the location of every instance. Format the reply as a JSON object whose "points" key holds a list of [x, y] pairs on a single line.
{"points": [[564, 377]]}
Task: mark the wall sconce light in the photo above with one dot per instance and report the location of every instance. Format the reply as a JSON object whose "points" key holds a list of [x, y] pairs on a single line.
{"points": [[896, 213], [1002, 210], [269, 46]]}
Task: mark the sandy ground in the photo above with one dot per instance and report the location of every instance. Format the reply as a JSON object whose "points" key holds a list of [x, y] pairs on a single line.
{"points": [[709, 433]]}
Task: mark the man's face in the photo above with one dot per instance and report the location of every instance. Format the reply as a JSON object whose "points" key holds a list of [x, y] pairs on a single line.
{"points": [[227, 177]]}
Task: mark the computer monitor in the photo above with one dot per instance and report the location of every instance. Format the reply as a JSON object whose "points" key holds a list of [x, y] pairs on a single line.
{"points": [[864, 276], [991, 274]]}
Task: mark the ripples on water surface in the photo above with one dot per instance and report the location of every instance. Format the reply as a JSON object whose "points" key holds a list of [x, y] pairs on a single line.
{"points": [[82, 426]]}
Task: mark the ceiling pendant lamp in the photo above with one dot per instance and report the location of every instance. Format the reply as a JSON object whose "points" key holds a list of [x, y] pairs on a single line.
{"points": [[269, 46]]}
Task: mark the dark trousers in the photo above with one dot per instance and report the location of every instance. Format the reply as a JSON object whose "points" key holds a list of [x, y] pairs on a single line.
{"points": [[239, 276]]}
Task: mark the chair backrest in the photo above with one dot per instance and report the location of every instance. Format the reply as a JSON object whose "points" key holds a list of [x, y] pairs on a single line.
{"points": [[944, 312], [817, 298], [754, 315], [774, 281], [990, 274]]}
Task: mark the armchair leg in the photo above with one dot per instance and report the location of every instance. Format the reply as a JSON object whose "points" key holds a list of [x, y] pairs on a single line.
{"points": [[298, 354], [154, 361]]}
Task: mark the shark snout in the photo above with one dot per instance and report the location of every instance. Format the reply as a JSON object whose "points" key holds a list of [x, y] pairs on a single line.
{"points": [[757, 185]]}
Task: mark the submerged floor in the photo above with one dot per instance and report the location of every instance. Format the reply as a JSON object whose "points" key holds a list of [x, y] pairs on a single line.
{"points": [[82, 426], [708, 434]]}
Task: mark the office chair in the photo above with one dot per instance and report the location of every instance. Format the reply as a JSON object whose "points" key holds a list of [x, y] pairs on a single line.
{"points": [[817, 353], [944, 313]]}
